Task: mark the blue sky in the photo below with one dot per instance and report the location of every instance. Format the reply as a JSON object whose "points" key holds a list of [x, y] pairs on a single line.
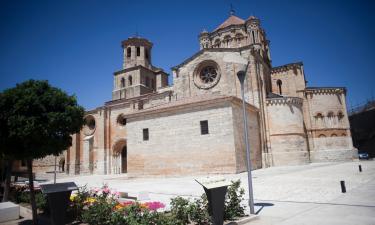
{"points": [[75, 44]]}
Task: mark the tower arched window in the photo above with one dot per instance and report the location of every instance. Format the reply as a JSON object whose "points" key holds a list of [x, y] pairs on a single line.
{"points": [[138, 51], [319, 116], [252, 33], [130, 80], [227, 40], [153, 83], [128, 52], [239, 38], [217, 43], [122, 82], [147, 82], [279, 84], [340, 115]]}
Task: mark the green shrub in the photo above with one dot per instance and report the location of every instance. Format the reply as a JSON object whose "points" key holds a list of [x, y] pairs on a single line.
{"points": [[77, 203], [184, 212], [198, 211], [233, 199], [22, 195], [180, 210], [99, 212], [135, 214]]}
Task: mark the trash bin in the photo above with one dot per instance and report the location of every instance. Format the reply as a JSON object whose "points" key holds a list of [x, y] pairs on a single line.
{"points": [[215, 190], [58, 199]]}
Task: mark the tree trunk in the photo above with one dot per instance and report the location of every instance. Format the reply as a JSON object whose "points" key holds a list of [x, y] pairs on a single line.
{"points": [[7, 179], [32, 194]]}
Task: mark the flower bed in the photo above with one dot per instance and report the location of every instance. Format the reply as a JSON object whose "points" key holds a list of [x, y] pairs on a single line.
{"points": [[101, 206]]}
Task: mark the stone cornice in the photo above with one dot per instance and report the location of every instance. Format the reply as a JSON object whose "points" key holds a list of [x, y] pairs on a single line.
{"points": [[169, 107], [226, 29], [286, 67], [158, 71], [210, 50], [325, 90], [284, 101], [135, 99], [122, 102], [136, 41], [328, 129]]}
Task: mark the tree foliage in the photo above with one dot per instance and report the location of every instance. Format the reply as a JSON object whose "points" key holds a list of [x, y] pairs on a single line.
{"points": [[37, 119]]}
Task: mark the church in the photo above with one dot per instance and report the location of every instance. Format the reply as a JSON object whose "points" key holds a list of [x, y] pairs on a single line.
{"points": [[195, 125]]}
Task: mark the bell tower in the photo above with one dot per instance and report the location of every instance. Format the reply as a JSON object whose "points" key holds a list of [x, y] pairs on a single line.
{"points": [[137, 76], [137, 51], [257, 37]]}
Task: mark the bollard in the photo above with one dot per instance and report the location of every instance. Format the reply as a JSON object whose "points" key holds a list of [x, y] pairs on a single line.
{"points": [[360, 168], [343, 188]]}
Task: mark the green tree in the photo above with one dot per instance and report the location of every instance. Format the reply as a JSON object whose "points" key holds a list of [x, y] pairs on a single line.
{"points": [[37, 120]]}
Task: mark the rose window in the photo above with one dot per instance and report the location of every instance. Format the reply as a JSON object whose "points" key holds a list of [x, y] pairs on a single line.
{"points": [[208, 74]]}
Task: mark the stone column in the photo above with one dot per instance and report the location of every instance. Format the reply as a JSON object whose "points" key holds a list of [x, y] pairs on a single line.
{"points": [[85, 166]]}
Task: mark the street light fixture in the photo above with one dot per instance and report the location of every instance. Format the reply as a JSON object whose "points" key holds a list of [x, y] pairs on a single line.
{"points": [[243, 63]]}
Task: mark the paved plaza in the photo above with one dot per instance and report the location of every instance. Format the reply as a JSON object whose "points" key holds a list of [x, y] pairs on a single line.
{"points": [[308, 194]]}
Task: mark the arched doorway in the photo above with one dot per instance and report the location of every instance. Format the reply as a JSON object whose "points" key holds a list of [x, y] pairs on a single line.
{"points": [[119, 157]]}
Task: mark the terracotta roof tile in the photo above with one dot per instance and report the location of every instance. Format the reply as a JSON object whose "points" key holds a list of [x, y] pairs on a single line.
{"points": [[232, 20]]}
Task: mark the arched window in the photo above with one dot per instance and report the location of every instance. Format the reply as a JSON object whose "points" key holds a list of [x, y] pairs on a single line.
{"points": [[322, 136], [138, 51], [130, 80], [140, 105], [319, 116], [128, 52], [217, 43], [153, 83], [227, 40], [122, 82], [333, 135], [121, 120], [279, 84], [239, 38], [147, 82], [340, 115]]}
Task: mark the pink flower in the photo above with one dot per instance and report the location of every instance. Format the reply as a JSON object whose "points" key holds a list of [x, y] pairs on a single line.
{"points": [[154, 205], [106, 190], [96, 190]]}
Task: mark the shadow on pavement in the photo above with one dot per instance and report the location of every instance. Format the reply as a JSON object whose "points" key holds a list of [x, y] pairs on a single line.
{"points": [[262, 205]]}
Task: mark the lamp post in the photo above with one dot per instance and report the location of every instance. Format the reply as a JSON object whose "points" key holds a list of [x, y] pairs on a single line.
{"points": [[235, 58], [54, 173], [241, 77]]}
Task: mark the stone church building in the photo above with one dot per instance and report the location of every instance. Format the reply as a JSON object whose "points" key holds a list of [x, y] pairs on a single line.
{"points": [[195, 125]]}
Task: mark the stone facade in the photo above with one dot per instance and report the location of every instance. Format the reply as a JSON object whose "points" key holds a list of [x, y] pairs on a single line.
{"points": [[195, 125]]}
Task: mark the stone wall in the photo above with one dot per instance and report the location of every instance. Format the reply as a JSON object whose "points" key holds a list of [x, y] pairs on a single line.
{"points": [[176, 145], [292, 80], [47, 164], [184, 77], [253, 121], [328, 125], [287, 134]]}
